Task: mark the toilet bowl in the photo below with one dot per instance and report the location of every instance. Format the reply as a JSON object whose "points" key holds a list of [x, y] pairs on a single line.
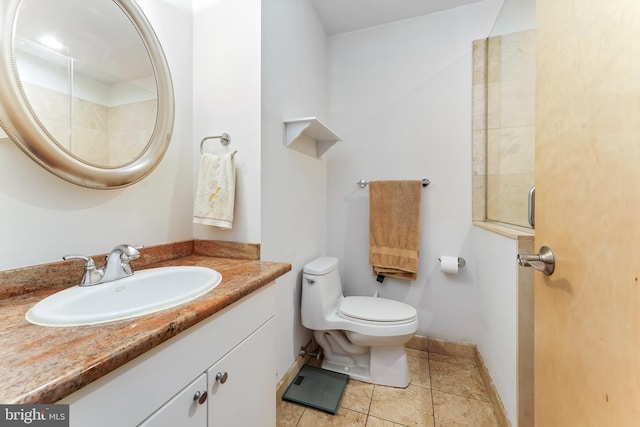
{"points": [[361, 336]]}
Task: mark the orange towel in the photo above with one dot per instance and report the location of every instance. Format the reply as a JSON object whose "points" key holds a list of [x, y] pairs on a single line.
{"points": [[394, 228]]}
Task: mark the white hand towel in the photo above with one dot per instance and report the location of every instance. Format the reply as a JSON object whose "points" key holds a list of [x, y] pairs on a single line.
{"points": [[215, 193]]}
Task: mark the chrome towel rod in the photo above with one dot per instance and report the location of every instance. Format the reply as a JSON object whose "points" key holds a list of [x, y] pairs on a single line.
{"points": [[225, 139], [363, 183]]}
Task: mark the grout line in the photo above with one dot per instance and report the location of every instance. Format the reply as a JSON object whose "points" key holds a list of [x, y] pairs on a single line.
{"points": [[300, 418], [431, 387], [433, 406]]}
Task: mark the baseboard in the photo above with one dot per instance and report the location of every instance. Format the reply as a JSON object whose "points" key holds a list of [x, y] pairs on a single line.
{"points": [[440, 346], [498, 407]]}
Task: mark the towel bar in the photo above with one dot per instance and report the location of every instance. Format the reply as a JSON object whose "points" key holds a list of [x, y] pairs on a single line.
{"points": [[363, 183], [225, 139]]}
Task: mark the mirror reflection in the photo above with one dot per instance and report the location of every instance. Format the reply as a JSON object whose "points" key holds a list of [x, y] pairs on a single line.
{"points": [[88, 78]]}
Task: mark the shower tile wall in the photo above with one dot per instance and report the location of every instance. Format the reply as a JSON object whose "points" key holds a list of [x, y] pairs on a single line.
{"points": [[526, 306], [89, 126], [110, 135], [52, 109], [506, 118], [129, 129], [479, 119]]}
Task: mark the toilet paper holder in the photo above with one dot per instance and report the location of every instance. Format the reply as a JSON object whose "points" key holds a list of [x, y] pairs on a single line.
{"points": [[461, 262]]}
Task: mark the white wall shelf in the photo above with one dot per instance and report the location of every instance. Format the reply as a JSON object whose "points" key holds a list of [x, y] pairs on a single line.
{"points": [[309, 132]]}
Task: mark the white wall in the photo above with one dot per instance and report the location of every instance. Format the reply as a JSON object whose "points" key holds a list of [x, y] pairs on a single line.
{"points": [[515, 15], [44, 217], [497, 312], [400, 97], [226, 85], [294, 192]]}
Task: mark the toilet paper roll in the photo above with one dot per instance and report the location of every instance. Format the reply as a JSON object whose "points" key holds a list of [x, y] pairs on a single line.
{"points": [[449, 264]]}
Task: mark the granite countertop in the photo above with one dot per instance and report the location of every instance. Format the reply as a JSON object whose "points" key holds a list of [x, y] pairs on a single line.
{"points": [[45, 364]]}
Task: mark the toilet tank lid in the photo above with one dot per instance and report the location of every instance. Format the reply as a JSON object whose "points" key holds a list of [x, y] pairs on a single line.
{"points": [[321, 266]]}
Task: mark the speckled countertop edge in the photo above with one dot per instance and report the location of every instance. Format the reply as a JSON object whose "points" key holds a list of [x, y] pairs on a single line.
{"points": [[45, 364]]}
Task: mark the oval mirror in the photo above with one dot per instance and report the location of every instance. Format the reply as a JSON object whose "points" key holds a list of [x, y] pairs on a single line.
{"points": [[85, 89]]}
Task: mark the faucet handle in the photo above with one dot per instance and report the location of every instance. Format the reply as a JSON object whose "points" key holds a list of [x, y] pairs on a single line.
{"points": [[128, 252], [117, 262], [89, 261], [91, 275]]}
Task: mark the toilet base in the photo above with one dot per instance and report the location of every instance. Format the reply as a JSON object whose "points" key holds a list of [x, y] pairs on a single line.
{"points": [[382, 365]]}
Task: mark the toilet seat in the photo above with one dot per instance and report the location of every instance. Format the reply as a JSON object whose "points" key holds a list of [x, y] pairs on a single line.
{"points": [[376, 310]]}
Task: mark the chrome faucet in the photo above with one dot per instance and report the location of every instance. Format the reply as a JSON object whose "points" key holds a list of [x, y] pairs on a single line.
{"points": [[116, 265]]}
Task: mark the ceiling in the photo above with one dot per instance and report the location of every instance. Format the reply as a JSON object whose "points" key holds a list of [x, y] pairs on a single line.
{"points": [[341, 16], [98, 36]]}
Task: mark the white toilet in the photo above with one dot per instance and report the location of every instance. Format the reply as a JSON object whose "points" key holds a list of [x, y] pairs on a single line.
{"points": [[360, 336]]}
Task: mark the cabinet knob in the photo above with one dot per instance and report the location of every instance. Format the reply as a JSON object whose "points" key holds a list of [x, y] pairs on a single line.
{"points": [[200, 397], [221, 377]]}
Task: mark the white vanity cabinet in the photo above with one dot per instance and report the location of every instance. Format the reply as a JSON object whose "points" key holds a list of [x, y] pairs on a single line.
{"points": [[239, 384], [186, 409], [157, 389]]}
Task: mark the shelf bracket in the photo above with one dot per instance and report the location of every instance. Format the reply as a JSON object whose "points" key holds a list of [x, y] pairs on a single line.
{"points": [[309, 131]]}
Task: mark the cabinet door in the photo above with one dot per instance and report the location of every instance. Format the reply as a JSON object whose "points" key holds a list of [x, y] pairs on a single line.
{"points": [[244, 392], [184, 409]]}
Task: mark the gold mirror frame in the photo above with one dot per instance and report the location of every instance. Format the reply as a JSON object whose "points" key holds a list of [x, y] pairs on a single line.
{"points": [[20, 122]]}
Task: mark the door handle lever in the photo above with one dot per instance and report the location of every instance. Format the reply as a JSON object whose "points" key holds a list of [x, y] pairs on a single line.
{"points": [[544, 262]]}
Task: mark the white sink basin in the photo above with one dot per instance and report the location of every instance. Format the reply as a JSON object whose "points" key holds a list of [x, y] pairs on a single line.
{"points": [[147, 291]]}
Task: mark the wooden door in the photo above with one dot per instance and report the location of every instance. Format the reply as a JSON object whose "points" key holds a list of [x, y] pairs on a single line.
{"points": [[587, 314]]}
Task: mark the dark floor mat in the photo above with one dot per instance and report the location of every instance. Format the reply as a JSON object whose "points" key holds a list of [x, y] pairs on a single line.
{"points": [[317, 388]]}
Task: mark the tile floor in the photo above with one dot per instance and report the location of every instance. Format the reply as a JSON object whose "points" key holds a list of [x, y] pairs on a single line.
{"points": [[444, 391]]}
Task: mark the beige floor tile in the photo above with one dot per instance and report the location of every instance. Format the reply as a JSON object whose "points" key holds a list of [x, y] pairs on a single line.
{"points": [[342, 418], [456, 379], [288, 414], [411, 406], [357, 396], [452, 410], [377, 422], [419, 369], [417, 353], [452, 359], [446, 390]]}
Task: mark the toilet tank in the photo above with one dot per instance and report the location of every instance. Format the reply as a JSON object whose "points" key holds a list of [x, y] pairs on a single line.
{"points": [[321, 291]]}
